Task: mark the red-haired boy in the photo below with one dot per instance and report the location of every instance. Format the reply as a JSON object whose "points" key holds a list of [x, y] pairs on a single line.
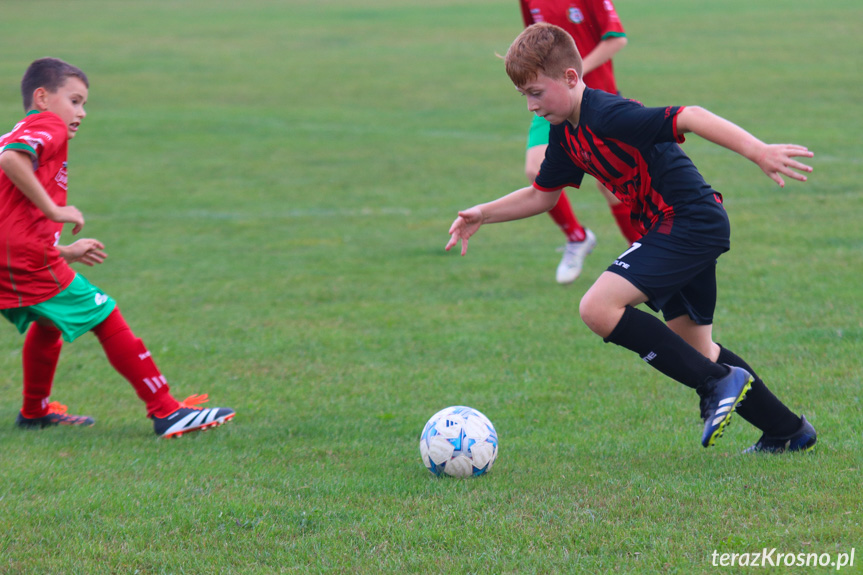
{"points": [[635, 152]]}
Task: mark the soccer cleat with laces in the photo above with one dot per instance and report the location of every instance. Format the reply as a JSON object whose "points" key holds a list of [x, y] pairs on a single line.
{"points": [[574, 254], [188, 418], [56, 416], [801, 440], [719, 401]]}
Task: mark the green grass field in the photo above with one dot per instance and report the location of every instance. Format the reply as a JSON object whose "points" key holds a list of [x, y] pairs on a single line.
{"points": [[274, 182]]}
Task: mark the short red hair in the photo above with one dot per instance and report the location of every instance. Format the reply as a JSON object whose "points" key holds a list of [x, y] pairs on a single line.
{"points": [[541, 48]]}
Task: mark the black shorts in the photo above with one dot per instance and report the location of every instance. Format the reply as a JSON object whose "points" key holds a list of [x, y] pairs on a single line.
{"points": [[677, 271]]}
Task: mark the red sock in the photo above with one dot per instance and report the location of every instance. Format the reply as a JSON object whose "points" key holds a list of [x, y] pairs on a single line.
{"points": [[128, 355], [564, 217], [624, 222], [41, 352]]}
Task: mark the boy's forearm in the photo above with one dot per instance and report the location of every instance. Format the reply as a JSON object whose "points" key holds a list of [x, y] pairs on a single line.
{"points": [[719, 131], [518, 205], [19, 169], [603, 52]]}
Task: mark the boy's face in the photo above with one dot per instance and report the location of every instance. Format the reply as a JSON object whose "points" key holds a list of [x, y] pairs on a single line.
{"points": [[549, 98], [67, 102]]}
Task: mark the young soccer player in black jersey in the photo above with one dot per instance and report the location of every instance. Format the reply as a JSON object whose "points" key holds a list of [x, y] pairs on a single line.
{"points": [[634, 151]]}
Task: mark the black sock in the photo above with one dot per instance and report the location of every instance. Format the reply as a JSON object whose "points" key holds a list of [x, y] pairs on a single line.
{"points": [[663, 349], [761, 408]]}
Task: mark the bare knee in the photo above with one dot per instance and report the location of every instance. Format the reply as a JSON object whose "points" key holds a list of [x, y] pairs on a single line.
{"points": [[597, 316]]}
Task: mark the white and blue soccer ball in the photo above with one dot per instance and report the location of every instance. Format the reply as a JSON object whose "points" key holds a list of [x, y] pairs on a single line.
{"points": [[458, 441]]}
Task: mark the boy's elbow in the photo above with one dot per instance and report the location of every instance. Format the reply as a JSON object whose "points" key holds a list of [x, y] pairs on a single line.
{"points": [[546, 200]]}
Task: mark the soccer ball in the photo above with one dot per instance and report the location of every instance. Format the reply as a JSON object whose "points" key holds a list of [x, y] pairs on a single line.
{"points": [[458, 441]]}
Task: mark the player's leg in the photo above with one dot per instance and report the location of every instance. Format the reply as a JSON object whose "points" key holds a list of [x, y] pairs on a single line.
{"points": [[608, 309], [721, 400], [780, 426], [562, 213], [580, 241], [40, 354], [130, 357], [761, 408], [698, 336]]}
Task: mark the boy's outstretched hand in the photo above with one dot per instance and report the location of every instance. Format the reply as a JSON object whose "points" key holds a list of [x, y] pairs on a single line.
{"points": [[777, 160], [464, 226], [86, 251]]}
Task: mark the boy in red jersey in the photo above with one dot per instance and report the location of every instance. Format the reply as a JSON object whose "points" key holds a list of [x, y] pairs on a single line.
{"points": [[635, 152], [39, 292], [599, 34]]}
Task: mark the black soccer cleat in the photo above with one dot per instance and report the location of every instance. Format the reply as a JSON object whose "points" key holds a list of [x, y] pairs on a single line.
{"points": [[56, 416], [189, 418], [801, 440]]}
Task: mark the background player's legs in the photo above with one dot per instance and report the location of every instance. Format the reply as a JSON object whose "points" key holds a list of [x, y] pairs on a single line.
{"points": [[564, 217], [40, 354], [620, 213], [128, 355], [579, 240], [562, 212]]}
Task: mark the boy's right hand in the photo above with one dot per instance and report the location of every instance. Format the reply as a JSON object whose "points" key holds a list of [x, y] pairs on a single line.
{"points": [[464, 226], [68, 215]]}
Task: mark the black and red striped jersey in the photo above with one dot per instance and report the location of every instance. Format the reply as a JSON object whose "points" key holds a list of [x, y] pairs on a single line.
{"points": [[635, 152]]}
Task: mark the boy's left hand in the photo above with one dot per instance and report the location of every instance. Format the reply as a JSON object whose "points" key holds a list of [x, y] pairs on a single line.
{"points": [[86, 251], [776, 159]]}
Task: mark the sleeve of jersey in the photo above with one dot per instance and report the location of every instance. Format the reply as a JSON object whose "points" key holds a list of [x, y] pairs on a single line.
{"points": [[641, 127], [39, 137], [558, 170], [608, 21]]}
